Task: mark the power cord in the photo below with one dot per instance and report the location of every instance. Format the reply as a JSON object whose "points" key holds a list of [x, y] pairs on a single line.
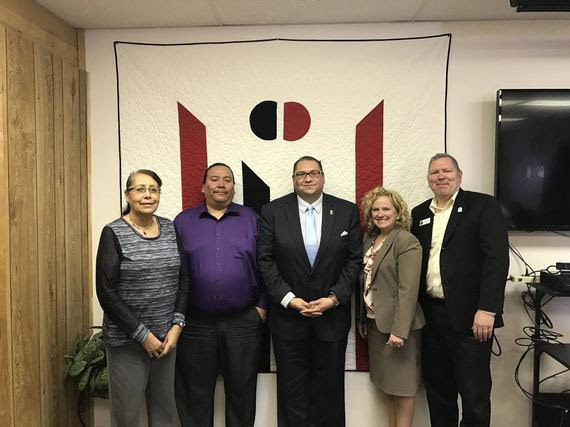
{"points": [[535, 335]]}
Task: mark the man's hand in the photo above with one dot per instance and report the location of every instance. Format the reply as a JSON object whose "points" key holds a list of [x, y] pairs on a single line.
{"points": [[303, 307], [483, 325], [153, 346], [318, 307], [299, 304], [262, 313]]}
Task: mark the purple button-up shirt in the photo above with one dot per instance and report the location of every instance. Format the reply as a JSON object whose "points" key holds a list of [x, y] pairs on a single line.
{"points": [[222, 263]]}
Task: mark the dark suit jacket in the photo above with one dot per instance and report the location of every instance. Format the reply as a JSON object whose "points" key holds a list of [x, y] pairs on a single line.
{"points": [[395, 284], [474, 259], [285, 267]]}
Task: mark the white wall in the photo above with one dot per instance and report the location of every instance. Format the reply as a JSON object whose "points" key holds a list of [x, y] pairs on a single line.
{"points": [[485, 56]]}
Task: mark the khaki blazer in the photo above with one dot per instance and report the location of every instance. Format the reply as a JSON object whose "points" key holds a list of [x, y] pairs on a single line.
{"points": [[395, 284]]}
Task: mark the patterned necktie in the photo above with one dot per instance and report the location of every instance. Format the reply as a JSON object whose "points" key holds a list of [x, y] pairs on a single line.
{"points": [[311, 243]]}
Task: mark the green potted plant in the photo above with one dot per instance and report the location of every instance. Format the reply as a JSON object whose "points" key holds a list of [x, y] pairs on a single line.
{"points": [[86, 365]]}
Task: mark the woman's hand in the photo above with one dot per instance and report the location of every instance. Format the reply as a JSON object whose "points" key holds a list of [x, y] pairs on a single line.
{"points": [[171, 339], [362, 330], [153, 346], [396, 342]]}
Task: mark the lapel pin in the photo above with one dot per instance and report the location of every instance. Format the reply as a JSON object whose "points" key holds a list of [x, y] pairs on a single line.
{"points": [[331, 212], [460, 209]]}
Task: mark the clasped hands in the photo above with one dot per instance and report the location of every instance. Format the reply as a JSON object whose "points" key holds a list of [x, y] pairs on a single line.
{"points": [[313, 308], [156, 348]]}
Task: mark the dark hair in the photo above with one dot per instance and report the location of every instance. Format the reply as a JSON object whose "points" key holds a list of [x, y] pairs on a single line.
{"points": [[129, 183], [310, 158], [438, 156], [213, 165]]}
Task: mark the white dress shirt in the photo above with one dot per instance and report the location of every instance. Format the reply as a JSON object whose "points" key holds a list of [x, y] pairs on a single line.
{"points": [[318, 206]]}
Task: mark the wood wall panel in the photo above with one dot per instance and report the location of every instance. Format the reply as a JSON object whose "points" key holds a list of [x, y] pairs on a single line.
{"points": [[59, 207], [72, 191], [45, 275], [84, 200], [45, 167], [41, 27], [85, 225], [23, 229], [34, 14], [6, 397]]}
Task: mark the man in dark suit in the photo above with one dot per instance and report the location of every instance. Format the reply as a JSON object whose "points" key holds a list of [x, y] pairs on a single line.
{"points": [[309, 252], [465, 264]]}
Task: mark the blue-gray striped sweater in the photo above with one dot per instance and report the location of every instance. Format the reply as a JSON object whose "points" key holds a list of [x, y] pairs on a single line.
{"points": [[142, 283]]}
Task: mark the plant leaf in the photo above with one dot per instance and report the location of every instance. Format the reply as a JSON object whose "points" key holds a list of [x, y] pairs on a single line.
{"points": [[77, 367], [90, 350], [101, 380], [84, 378], [86, 364], [97, 357]]}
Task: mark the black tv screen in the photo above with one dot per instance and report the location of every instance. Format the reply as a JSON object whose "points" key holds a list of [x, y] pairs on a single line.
{"points": [[532, 162]]}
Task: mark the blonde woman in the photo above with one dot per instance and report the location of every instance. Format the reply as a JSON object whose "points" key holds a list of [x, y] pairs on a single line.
{"points": [[390, 316]]}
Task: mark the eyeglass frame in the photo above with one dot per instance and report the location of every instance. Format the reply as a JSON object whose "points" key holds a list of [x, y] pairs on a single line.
{"points": [[142, 190], [314, 174]]}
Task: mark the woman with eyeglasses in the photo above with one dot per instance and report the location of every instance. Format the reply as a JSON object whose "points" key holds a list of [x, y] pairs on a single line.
{"points": [[142, 286]]}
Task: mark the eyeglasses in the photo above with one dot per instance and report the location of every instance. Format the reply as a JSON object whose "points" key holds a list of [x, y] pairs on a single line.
{"points": [[142, 190], [301, 176]]}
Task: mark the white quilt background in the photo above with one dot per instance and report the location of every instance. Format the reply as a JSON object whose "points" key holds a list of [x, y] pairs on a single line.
{"points": [[339, 82]]}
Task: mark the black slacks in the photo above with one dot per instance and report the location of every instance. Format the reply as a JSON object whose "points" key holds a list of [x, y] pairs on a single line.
{"points": [[310, 382], [454, 363], [226, 345]]}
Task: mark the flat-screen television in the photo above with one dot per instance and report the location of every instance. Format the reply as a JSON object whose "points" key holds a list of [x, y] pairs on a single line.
{"points": [[532, 162]]}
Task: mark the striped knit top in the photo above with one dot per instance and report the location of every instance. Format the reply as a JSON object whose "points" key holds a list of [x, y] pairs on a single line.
{"points": [[142, 283]]}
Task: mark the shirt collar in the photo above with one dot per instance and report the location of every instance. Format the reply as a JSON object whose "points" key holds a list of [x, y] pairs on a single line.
{"points": [[204, 211], [317, 204], [433, 207]]}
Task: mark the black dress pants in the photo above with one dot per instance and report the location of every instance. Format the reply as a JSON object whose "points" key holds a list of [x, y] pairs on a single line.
{"points": [[225, 345], [310, 382], [454, 363]]}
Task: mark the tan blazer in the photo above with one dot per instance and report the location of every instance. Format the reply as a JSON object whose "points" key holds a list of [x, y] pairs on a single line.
{"points": [[395, 284]]}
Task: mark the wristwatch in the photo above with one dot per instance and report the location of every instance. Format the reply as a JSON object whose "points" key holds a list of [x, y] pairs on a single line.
{"points": [[334, 299], [181, 323]]}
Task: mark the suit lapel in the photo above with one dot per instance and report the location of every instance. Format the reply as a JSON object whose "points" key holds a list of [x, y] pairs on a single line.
{"points": [[328, 215], [425, 229], [383, 251], [456, 214], [292, 213]]}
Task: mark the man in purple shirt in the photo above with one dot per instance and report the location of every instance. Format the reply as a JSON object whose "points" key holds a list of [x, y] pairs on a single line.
{"points": [[226, 306]]}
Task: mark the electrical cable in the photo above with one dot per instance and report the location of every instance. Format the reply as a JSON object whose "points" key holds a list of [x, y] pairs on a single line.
{"points": [[518, 255], [536, 335], [499, 349]]}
